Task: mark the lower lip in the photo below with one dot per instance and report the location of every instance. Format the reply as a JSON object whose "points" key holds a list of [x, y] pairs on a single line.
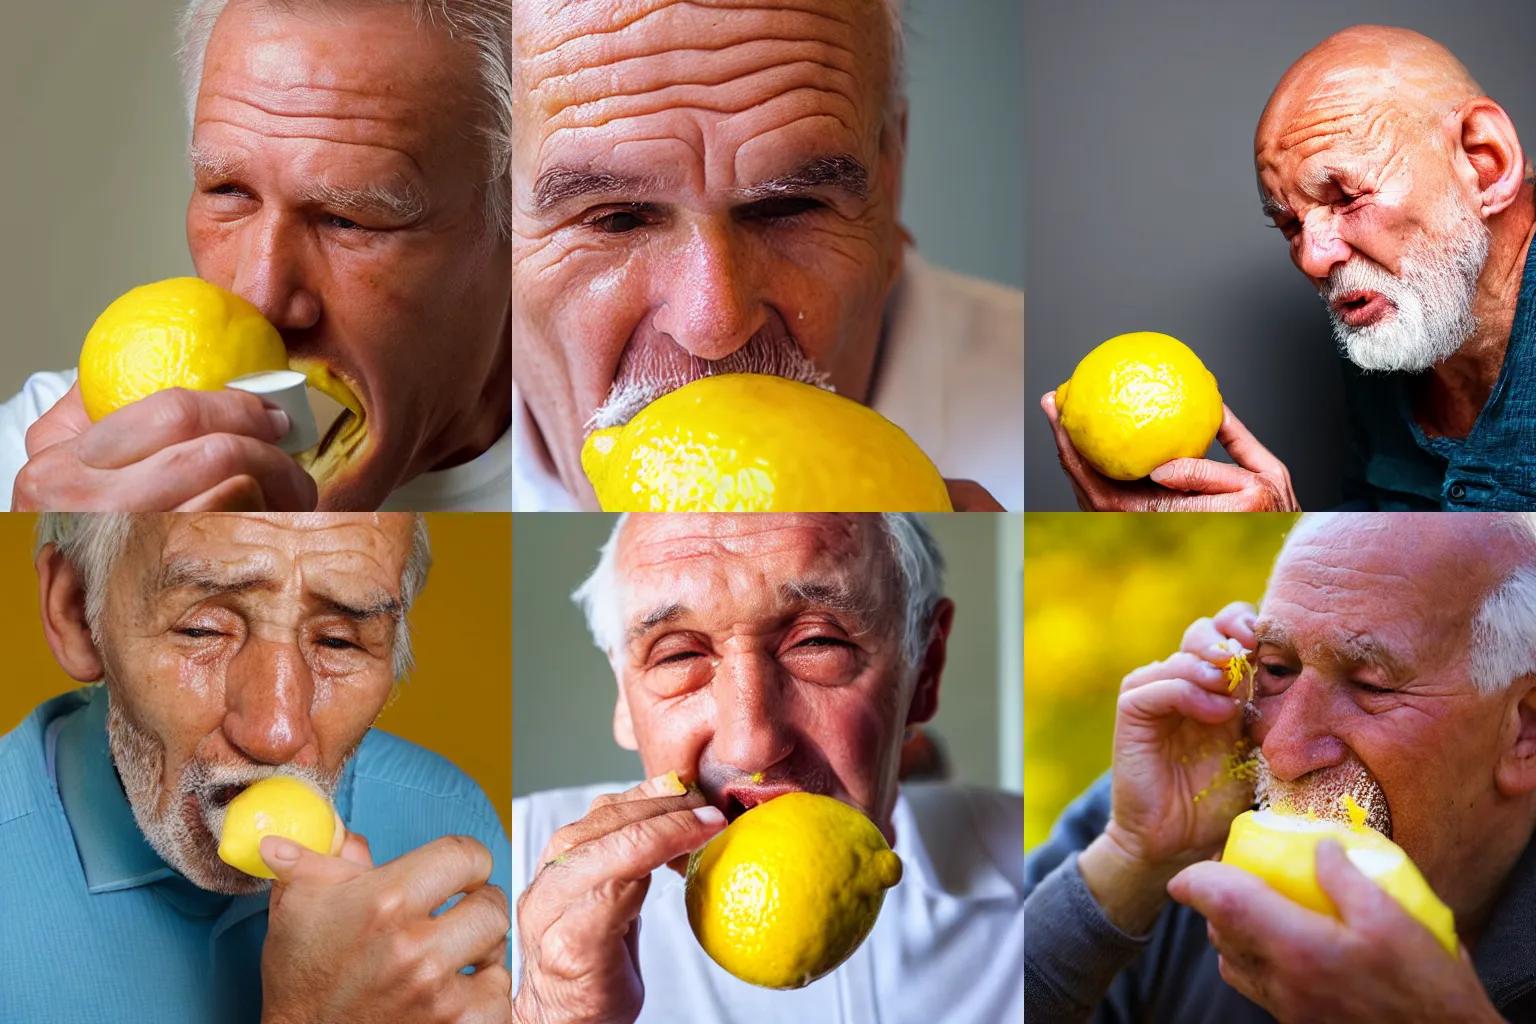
{"points": [[1355, 315]]}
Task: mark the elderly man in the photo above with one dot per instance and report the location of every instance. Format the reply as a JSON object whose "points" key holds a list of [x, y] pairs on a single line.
{"points": [[1395, 658], [712, 188], [756, 656], [232, 649], [1409, 204], [350, 175]]}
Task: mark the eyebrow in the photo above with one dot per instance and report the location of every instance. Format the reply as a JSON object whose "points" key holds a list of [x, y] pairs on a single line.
{"points": [[207, 579], [1273, 207], [664, 614], [827, 595], [1353, 648], [561, 185], [402, 200]]}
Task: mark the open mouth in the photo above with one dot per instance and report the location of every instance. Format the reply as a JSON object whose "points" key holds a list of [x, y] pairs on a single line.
{"points": [[346, 439], [1361, 308], [741, 799]]}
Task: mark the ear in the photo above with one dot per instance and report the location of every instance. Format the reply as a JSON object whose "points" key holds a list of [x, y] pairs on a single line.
{"points": [[1515, 773], [1492, 148], [623, 725], [925, 695], [61, 598]]}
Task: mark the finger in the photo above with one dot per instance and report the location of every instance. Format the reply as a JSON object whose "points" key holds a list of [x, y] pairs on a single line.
{"points": [[468, 933], [1236, 622], [179, 473], [173, 416], [486, 996], [1182, 665], [1164, 701], [1085, 479], [1205, 639], [640, 847], [1361, 902], [429, 875], [670, 784], [1252, 918], [1202, 476], [969, 496], [1244, 447], [355, 850], [64, 421], [237, 494], [611, 817], [293, 864]]}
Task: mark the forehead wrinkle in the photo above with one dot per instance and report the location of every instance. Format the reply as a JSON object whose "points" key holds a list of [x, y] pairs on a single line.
{"points": [[578, 23]]}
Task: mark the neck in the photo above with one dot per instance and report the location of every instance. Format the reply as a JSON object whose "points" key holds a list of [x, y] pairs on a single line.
{"points": [[1495, 865], [470, 433], [1452, 395]]}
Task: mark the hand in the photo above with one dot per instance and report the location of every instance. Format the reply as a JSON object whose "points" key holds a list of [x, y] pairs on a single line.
{"points": [[176, 450], [1259, 482], [1177, 734], [578, 922], [1376, 964], [349, 942], [970, 496]]}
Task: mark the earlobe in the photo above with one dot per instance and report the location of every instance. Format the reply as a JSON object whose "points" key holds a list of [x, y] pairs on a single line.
{"points": [[1492, 148], [61, 601], [925, 694]]}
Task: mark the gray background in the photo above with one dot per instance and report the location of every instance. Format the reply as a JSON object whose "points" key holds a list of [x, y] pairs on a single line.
{"points": [[1142, 212], [563, 691], [95, 185], [965, 157]]}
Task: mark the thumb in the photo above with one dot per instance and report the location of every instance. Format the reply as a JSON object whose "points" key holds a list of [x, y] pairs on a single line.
{"points": [[292, 864], [1201, 476], [1357, 898], [65, 421]]}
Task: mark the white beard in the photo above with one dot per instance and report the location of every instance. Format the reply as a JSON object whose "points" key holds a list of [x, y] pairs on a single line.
{"points": [[1432, 302]]}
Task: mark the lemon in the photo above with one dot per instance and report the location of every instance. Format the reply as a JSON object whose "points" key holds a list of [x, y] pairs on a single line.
{"points": [[789, 889], [277, 806], [181, 333], [1282, 850], [745, 442], [1137, 401]]}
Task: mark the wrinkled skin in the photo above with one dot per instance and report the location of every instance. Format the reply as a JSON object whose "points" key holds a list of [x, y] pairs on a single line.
{"points": [[686, 111]]}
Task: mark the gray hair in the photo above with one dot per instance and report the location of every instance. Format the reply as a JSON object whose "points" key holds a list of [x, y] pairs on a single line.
{"points": [[1503, 629], [919, 568], [486, 25], [92, 542]]}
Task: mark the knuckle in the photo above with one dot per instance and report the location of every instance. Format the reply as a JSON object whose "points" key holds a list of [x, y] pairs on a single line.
{"points": [[389, 905], [177, 412]]}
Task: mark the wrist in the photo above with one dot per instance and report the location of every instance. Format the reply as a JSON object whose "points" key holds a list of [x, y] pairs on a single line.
{"points": [[1129, 890]]}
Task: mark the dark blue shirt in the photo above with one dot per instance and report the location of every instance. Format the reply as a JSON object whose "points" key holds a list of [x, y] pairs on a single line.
{"points": [[1395, 468]]}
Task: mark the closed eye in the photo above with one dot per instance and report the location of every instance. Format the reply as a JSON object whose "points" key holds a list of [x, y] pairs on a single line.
{"points": [[198, 634], [336, 643], [342, 223], [679, 657], [780, 209], [823, 641]]}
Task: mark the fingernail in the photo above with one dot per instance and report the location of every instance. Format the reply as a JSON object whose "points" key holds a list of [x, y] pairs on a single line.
{"points": [[709, 815], [277, 850], [668, 785], [1159, 475], [280, 422]]}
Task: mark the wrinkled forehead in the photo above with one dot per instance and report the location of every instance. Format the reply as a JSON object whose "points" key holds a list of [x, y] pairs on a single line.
{"points": [[754, 564]]}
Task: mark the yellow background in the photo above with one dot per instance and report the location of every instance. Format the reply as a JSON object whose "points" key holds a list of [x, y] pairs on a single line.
{"points": [[1104, 594], [458, 702]]}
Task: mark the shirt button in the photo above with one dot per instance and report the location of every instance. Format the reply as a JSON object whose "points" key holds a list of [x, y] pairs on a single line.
{"points": [[1458, 491]]}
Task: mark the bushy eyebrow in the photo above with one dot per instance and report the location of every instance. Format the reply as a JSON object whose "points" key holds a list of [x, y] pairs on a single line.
{"points": [[212, 579], [399, 200], [844, 173], [1273, 207], [561, 184], [652, 619]]}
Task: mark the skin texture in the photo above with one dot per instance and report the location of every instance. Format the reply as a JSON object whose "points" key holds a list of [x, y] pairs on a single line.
{"points": [[697, 104], [1457, 767], [241, 646], [1374, 142], [410, 308], [737, 678]]}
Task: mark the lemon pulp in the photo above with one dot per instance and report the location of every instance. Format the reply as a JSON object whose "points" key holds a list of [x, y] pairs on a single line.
{"points": [[1137, 401], [747, 442], [789, 890], [276, 806]]}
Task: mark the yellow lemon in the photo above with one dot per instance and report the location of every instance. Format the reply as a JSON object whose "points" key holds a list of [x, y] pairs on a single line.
{"points": [[1137, 401], [181, 333], [1282, 850], [346, 440], [747, 442], [277, 806], [789, 889]]}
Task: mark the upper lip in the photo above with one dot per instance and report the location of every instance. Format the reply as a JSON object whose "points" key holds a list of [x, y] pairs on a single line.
{"points": [[738, 798]]}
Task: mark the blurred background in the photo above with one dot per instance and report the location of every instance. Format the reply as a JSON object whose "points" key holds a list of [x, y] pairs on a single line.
{"points": [[564, 691], [1140, 121], [457, 702], [97, 185], [1104, 594]]}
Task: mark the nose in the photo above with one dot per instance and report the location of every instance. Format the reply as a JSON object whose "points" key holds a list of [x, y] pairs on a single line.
{"points": [[1292, 730], [269, 695], [1318, 247], [271, 274], [752, 732], [709, 306]]}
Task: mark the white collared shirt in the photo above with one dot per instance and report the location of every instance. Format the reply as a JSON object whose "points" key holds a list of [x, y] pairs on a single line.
{"points": [[948, 945], [950, 373]]}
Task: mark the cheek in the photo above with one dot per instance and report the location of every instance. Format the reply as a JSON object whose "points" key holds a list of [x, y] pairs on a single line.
{"points": [[178, 701], [672, 734], [858, 732]]}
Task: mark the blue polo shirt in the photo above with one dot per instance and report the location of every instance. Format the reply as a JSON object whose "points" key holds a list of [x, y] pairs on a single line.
{"points": [[1396, 468], [94, 926]]}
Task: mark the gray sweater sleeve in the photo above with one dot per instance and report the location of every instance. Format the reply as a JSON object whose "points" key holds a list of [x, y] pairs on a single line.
{"points": [[1071, 950]]}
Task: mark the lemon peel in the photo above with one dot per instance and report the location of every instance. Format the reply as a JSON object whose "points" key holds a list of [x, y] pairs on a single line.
{"points": [[277, 806]]}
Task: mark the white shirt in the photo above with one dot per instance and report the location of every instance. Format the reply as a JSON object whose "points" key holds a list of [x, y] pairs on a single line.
{"points": [[484, 484], [948, 945], [950, 373]]}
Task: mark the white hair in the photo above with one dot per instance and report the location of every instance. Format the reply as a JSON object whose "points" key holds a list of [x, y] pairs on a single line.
{"points": [[486, 25], [918, 561], [92, 542], [1502, 639]]}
